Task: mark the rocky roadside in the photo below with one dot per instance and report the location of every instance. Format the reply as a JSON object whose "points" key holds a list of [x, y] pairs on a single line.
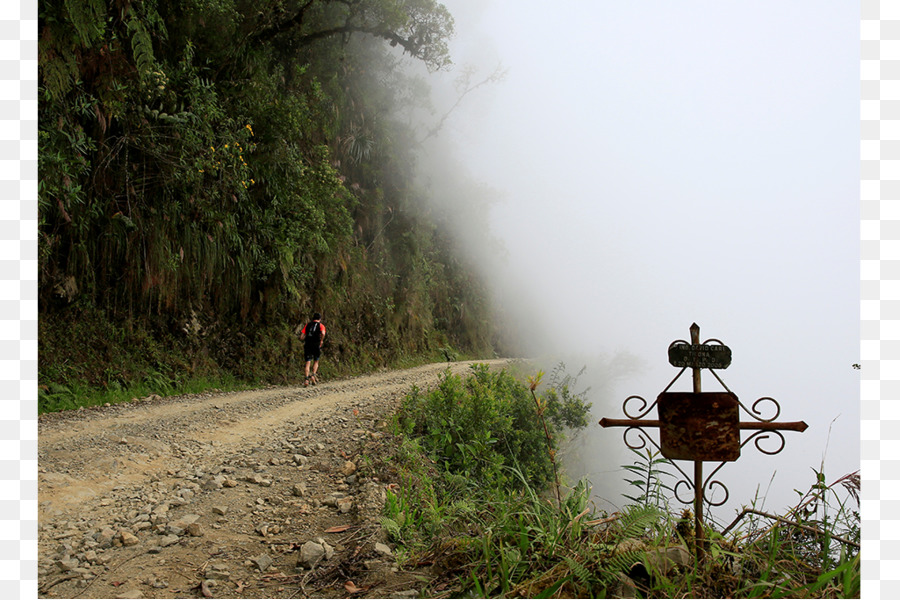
{"points": [[272, 493]]}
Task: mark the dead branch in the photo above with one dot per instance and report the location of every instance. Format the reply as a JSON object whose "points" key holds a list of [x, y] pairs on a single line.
{"points": [[748, 511]]}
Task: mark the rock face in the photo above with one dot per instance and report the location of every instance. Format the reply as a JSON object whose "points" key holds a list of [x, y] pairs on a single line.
{"points": [[160, 497]]}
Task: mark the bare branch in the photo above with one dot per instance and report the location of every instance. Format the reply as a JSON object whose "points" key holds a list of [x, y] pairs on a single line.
{"points": [[813, 530], [464, 82]]}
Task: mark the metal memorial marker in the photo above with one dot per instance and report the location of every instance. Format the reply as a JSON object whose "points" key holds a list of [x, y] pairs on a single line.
{"points": [[701, 426], [699, 356]]}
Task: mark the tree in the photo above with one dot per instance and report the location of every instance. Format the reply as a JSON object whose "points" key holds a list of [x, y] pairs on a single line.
{"points": [[420, 27]]}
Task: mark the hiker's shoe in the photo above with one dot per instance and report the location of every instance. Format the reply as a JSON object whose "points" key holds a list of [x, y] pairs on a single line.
{"points": [[306, 382], [314, 380]]}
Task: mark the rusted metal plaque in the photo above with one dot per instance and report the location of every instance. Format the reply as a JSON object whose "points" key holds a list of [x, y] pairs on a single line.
{"points": [[700, 356], [699, 426]]}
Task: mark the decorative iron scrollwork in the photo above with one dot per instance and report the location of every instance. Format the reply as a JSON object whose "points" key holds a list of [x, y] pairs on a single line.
{"points": [[759, 436], [642, 412], [755, 412]]}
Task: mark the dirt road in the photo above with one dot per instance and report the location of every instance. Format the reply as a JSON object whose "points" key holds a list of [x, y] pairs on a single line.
{"points": [[271, 493]]}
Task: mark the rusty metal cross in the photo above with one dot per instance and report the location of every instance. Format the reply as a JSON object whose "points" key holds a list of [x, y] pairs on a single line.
{"points": [[701, 426]]}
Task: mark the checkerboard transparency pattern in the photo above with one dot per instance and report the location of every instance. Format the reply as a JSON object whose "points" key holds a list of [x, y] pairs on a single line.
{"points": [[18, 299], [880, 296]]}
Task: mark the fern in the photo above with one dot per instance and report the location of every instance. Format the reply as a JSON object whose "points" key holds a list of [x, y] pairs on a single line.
{"points": [[392, 528], [581, 572], [141, 46], [88, 17], [638, 519], [621, 563], [58, 71]]}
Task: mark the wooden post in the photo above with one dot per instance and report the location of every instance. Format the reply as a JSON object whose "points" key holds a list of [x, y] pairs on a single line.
{"points": [[698, 464]]}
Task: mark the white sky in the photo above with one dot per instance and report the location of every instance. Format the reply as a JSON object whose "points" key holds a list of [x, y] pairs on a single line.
{"points": [[664, 163]]}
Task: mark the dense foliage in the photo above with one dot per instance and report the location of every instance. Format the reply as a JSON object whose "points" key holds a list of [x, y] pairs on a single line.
{"points": [[212, 171], [486, 425]]}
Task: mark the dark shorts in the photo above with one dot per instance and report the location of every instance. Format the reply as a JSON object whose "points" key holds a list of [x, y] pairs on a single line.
{"points": [[313, 353]]}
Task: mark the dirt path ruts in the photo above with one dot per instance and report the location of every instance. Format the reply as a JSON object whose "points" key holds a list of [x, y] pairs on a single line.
{"points": [[139, 499]]}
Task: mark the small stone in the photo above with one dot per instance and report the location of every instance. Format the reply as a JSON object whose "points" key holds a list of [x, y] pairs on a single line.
{"points": [[67, 564], [214, 483], [216, 571], [220, 510], [299, 489], [263, 562], [168, 540], [128, 539], [348, 469], [179, 525], [383, 549], [311, 554], [329, 551], [665, 559], [623, 587], [105, 537]]}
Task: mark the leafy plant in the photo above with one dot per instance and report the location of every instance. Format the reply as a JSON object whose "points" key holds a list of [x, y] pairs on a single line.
{"points": [[648, 478], [483, 425]]}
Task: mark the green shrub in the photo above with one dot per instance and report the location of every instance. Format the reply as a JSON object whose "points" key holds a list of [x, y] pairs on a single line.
{"points": [[481, 426]]}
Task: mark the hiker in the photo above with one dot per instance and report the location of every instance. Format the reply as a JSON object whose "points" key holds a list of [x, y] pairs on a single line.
{"points": [[312, 336]]}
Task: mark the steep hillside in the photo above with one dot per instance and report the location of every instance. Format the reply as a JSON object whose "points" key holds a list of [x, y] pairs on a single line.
{"points": [[212, 172]]}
